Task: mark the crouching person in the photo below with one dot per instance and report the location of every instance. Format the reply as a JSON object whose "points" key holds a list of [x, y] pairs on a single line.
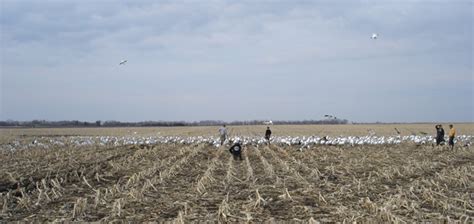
{"points": [[236, 150]]}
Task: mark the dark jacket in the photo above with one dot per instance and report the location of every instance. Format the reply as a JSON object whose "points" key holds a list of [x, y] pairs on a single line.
{"points": [[268, 133], [236, 148], [440, 133]]}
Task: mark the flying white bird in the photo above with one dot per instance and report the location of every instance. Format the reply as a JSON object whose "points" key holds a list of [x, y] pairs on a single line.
{"points": [[123, 62], [330, 116], [268, 122], [374, 36]]}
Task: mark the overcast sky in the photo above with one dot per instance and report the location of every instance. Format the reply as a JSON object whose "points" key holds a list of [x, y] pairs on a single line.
{"points": [[237, 60]]}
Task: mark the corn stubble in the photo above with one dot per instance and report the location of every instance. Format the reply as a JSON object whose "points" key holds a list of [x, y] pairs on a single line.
{"points": [[190, 183]]}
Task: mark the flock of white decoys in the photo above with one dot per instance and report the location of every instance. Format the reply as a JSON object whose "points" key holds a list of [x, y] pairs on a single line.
{"points": [[302, 142]]}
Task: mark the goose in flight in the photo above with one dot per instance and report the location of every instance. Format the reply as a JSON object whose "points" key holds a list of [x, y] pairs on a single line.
{"points": [[123, 62], [268, 122], [374, 36]]}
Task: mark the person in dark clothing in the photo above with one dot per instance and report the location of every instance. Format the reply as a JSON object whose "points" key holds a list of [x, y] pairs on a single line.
{"points": [[439, 134], [236, 150], [268, 134]]}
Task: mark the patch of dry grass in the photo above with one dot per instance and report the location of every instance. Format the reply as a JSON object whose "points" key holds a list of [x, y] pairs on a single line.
{"points": [[176, 183]]}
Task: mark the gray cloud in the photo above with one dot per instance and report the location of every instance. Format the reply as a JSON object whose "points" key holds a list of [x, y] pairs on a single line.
{"points": [[193, 60]]}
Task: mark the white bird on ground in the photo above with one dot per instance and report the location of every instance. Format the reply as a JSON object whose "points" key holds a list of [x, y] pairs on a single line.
{"points": [[374, 36], [123, 62]]}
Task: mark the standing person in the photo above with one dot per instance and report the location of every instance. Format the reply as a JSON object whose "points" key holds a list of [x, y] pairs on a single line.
{"points": [[236, 150], [223, 134], [451, 135], [439, 134], [268, 134]]}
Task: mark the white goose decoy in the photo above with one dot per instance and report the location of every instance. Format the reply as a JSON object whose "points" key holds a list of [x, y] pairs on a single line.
{"points": [[374, 36], [123, 62]]}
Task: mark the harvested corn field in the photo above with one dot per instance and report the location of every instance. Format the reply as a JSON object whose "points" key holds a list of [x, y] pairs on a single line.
{"points": [[200, 182]]}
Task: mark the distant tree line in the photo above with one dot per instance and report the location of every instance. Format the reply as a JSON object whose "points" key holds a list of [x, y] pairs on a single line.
{"points": [[112, 123], [45, 123]]}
